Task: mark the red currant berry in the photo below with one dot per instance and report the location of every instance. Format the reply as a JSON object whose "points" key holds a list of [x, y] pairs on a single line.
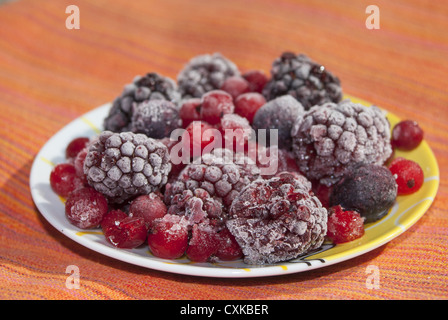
{"points": [[247, 104], [149, 207], [124, 231], [257, 80], [408, 175], [64, 180], [75, 146], [406, 135], [85, 208], [228, 248], [190, 111], [168, 237], [203, 243], [344, 226], [235, 86], [215, 104]]}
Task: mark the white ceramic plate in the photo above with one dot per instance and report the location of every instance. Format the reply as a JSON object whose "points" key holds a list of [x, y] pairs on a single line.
{"points": [[402, 216]]}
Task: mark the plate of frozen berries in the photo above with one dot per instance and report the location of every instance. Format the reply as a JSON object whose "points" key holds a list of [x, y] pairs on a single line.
{"points": [[223, 173]]}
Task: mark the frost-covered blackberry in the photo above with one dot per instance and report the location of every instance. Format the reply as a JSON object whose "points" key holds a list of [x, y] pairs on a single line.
{"points": [[307, 81], [205, 73], [152, 86], [155, 118], [124, 165], [277, 219], [331, 138], [278, 114]]}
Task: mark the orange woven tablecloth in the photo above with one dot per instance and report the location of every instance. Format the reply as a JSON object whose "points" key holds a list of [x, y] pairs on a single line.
{"points": [[50, 75]]}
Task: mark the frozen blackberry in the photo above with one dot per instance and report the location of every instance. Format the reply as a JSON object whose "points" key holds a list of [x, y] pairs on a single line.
{"points": [[277, 219], [278, 114], [204, 73], [369, 189], [329, 139], [124, 165], [155, 118], [150, 87], [221, 173], [307, 81]]}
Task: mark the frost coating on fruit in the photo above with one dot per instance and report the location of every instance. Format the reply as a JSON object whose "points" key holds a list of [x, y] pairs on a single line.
{"points": [[155, 118], [222, 173], [204, 73], [278, 114], [277, 219], [369, 189], [307, 81], [331, 138], [149, 87], [124, 165]]}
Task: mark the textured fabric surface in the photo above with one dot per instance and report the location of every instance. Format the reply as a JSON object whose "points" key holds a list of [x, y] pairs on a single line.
{"points": [[50, 75]]}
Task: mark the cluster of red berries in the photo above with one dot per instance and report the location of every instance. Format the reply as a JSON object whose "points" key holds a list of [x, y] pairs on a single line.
{"points": [[148, 219]]}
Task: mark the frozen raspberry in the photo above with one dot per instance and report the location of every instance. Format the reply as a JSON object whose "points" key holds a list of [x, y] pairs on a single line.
{"points": [[155, 118], [408, 175], [149, 207], [257, 80], [344, 225], [331, 138], [368, 189], [235, 86], [307, 81], [228, 248], [277, 219], [203, 244], [247, 104], [64, 180], [205, 73], [124, 231], [190, 111], [150, 87], [214, 105], [221, 173], [75, 146], [168, 237], [125, 165], [406, 135], [196, 205], [278, 114], [85, 208]]}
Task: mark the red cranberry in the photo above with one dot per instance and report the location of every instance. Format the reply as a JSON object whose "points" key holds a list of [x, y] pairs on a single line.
{"points": [[198, 135], [149, 207], [408, 175], [190, 111], [124, 231], [406, 135], [235, 86], [75, 146], [85, 208], [247, 104], [168, 237], [257, 80], [64, 180], [215, 104], [228, 248], [203, 243], [344, 226]]}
